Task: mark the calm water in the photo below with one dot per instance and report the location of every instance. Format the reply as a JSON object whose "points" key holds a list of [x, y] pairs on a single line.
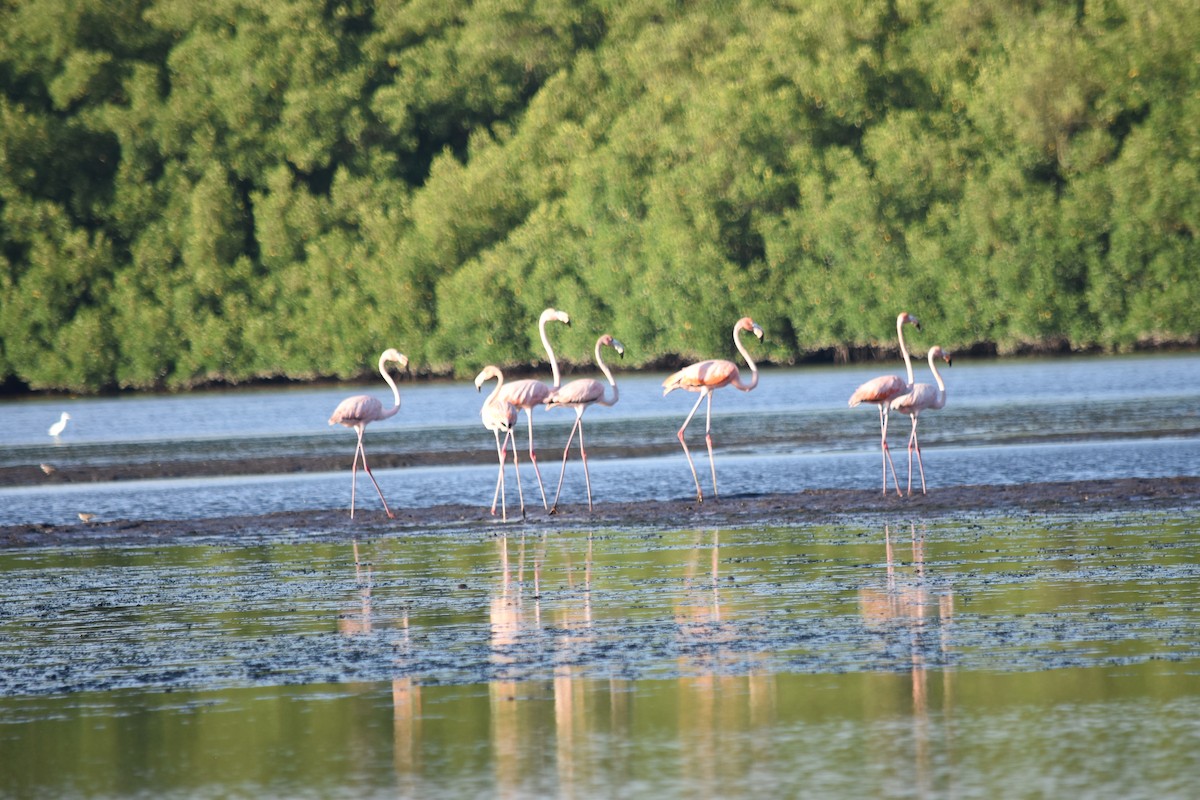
{"points": [[1033, 657], [1005, 422]]}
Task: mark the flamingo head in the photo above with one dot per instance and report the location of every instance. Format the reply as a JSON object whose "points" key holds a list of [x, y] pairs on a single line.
{"points": [[489, 372], [392, 354], [556, 315], [906, 318], [747, 324], [936, 353], [608, 341]]}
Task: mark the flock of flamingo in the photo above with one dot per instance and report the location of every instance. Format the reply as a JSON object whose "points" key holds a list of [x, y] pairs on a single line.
{"points": [[502, 406]]}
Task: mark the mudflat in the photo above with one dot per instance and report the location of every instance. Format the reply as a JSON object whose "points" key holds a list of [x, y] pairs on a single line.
{"points": [[804, 507]]}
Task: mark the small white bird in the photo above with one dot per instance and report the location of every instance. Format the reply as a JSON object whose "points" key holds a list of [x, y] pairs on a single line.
{"points": [[85, 517], [49, 469], [61, 425]]}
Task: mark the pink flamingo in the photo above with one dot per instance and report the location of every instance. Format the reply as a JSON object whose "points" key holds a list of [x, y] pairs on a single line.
{"points": [[706, 377], [883, 390], [528, 394], [357, 411], [921, 397], [500, 415], [580, 394]]}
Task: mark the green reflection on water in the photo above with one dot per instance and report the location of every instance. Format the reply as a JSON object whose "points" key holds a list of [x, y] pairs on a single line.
{"points": [[1048, 656], [1126, 731]]}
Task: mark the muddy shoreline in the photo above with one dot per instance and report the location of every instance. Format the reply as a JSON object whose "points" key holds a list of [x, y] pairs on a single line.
{"points": [[804, 507]]}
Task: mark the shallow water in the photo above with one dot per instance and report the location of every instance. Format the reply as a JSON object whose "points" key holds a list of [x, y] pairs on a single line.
{"points": [[978, 656], [1005, 422]]}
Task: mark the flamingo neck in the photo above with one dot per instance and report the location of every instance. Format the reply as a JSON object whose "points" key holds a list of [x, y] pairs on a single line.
{"points": [[941, 395], [549, 351], [737, 340], [903, 349], [611, 381], [491, 398], [391, 383]]}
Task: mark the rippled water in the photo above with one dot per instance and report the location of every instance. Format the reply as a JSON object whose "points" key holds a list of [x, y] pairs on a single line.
{"points": [[1006, 422], [1054, 656]]}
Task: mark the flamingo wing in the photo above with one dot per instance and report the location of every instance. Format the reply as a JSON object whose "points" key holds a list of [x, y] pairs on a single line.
{"points": [[883, 389], [580, 392], [525, 393], [357, 410], [711, 374]]}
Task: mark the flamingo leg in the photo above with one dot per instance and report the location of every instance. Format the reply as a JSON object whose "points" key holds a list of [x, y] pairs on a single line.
{"points": [[517, 469], [499, 493], [686, 452], [917, 447], [354, 472], [563, 471], [887, 453], [913, 444], [533, 457], [708, 441], [372, 477], [587, 479]]}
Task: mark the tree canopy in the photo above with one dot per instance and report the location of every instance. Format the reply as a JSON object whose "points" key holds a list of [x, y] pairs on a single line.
{"points": [[251, 189]]}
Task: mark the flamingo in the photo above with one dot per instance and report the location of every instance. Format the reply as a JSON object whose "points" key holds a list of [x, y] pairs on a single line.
{"points": [[580, 394], [500, 415], [922, 396], [59, 426], [883, 390], [528, 394], [357, 411], [706, 377]]}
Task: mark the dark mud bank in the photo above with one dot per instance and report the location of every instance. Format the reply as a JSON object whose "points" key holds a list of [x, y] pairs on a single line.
{"points": [[812, 506]]}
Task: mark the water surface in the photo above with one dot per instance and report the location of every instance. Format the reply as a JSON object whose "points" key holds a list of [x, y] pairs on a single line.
{"points": [[1005, 422]]}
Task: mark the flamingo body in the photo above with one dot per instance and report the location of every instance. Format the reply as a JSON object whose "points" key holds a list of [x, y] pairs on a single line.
{"points": [[883, 389], [579, 395], [360, 410], [705, 377], [526, 393]]}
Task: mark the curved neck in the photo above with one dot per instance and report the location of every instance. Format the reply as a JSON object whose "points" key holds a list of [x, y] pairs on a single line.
{"points": [[941, 395], [549, 352], [737, 340], [491, 398], [903, 349], [395, 392], [611, 381]]}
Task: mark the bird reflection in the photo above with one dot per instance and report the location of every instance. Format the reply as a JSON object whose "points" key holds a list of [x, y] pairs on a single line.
{"points": [[358, 620], [902, 609]]}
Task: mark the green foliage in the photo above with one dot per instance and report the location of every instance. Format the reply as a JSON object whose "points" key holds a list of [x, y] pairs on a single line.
{"points": [[246, 189]]}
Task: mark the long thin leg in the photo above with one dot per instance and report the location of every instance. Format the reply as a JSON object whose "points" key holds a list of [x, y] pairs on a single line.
{"points": [[913, 444], [887, 453], [377, 489], [533, 458], [708, 441], [354, 473], [686, 452], [917, 447], [563, 471], [500, 453], [587, 479], [512, 437]]}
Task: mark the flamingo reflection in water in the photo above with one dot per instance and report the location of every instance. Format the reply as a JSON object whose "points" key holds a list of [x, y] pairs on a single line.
{"points": [[900, 609]]}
